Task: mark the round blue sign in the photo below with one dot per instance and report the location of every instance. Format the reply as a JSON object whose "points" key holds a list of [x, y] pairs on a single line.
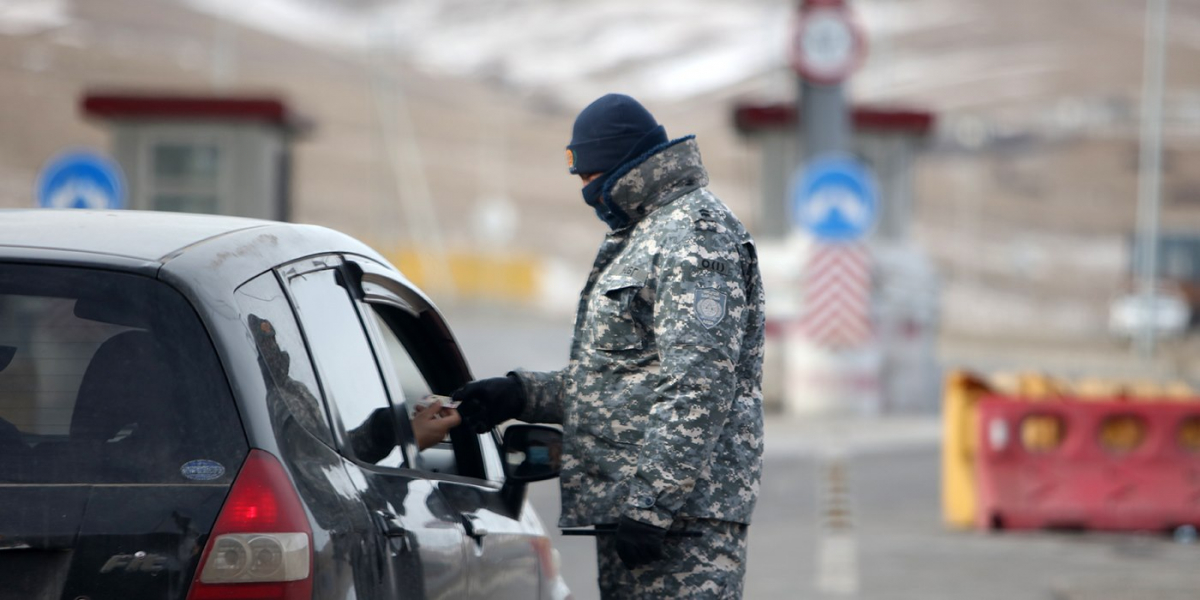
{"points": [[81, 179], [835, 199]]}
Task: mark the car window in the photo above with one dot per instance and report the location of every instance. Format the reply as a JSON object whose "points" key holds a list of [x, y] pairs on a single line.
{"points": [[346, 366], [401, 346], [288, 375], [408, 376], [108, 377], [412, 388]]}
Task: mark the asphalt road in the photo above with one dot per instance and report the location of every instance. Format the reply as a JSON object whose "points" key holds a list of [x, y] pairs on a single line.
{"points": [[896, 548], [850, 509]]}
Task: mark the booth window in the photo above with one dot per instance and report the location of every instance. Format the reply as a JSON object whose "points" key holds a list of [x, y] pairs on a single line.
{"points": [[186, 177]]}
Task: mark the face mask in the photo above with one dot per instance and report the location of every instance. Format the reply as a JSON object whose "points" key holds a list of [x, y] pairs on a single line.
{"points": [[614, 217]]}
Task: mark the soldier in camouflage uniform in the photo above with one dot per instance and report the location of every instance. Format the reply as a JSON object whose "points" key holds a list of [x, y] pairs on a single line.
{"points": [[661, 402]]}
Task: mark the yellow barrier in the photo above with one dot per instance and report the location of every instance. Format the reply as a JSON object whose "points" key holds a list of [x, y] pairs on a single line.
{"points": [[1095, 389], [513, 279], [959, 403], [1035, 386], [1031, 386]]}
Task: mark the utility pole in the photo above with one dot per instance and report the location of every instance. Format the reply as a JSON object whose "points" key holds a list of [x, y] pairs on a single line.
{"points": [[827, 49], [1150, 171], [824, 118], [406, 163]]}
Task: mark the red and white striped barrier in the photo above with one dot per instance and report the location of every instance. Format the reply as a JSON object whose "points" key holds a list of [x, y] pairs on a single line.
{"points": [[836, 306]]}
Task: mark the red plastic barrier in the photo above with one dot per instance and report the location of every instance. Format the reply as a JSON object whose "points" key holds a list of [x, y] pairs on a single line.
{"points": [[1117, 465]]}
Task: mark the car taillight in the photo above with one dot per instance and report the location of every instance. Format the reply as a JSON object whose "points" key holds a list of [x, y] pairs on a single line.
{"points": [[261, 545]]}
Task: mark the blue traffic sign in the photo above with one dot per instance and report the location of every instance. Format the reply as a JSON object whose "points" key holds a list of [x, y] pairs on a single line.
{"points": [[835, 199], [81, 179]]}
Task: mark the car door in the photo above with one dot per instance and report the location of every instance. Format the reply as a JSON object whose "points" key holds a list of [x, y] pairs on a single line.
{"points": [[423, 537], [418, 357]]}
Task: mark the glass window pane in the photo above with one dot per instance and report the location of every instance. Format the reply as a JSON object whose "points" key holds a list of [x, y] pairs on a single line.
{"points": [[194, 164], [1177, 262], [190, 203], [291, 384], [347, 367], [113, 379]]}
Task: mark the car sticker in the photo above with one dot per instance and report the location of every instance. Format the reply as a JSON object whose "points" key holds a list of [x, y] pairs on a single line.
{"points": [[202, 470]]}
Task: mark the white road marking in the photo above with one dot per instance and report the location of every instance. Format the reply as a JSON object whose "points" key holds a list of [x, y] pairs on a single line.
{"points": [[837, 548], [837, 564]]}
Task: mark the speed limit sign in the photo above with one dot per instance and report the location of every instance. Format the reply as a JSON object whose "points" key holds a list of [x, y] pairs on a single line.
{"points": [[828, 45]]}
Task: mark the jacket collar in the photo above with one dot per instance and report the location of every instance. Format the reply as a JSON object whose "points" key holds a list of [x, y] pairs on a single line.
{"points": [[655, 178]]}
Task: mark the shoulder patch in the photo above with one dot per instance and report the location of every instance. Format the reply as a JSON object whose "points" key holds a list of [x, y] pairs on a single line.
{"points": [[710, 307]]}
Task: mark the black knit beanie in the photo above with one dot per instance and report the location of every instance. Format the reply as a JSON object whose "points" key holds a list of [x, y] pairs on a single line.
{"points": [[609, 132]]}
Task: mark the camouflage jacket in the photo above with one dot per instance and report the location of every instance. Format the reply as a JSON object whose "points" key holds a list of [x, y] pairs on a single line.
{"points": [[661, 402]]}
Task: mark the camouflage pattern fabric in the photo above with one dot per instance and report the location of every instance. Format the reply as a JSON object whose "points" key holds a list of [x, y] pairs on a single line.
{"points": [[661, 402], [711, 567]]}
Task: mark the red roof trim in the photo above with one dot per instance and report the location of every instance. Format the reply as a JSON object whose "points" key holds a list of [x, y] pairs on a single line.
{"points": [[115, 106], [751, 117]]}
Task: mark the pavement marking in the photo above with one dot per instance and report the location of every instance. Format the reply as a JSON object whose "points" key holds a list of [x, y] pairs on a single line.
{"points": [[837, 548]]}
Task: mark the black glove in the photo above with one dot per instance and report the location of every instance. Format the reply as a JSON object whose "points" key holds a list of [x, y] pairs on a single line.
{"points": [[486, 403], [639, 543]]}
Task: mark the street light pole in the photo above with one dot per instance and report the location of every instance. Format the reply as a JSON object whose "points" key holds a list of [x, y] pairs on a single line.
{"points": [[1150, 170]]}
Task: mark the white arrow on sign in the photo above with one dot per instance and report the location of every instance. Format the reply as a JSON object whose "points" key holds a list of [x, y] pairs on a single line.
{"points": [[840, 198], [80, 193]]}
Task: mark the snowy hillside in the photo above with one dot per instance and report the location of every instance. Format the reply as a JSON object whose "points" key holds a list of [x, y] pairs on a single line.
{"points": [[666, 50], [946, 54]]}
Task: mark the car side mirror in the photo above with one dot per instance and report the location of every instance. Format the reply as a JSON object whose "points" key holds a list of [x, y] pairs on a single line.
{"points": [[532, 453]]}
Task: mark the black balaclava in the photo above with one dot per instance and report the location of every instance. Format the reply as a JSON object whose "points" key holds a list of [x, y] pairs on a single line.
{"points": [[608, 133]]}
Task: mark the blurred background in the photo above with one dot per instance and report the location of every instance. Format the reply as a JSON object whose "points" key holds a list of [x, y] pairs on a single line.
{"points": [[1006, 139], [438, 127]]}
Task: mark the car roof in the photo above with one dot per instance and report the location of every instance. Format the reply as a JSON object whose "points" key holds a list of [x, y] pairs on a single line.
{"points": [[143, 235], [216, 250]]}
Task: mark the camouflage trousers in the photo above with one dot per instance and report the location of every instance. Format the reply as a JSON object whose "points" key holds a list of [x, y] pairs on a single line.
{"points": [[711, 566]]}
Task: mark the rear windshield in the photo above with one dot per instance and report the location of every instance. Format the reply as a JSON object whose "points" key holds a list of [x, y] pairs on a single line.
{"points": [[109, 377]]}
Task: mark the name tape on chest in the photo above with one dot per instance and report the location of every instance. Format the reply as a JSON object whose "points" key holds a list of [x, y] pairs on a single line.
{"points": [[633, 273]]}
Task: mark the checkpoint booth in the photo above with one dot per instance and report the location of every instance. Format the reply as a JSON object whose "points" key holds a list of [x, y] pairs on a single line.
{"points": [[898, 372], [224, 155]]}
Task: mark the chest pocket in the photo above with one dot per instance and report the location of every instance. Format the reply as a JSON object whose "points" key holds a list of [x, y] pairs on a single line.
{"points": [[613, 327]]}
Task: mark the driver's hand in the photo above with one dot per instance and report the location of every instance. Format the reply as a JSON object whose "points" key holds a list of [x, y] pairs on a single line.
{"points": [[431, 424]]}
